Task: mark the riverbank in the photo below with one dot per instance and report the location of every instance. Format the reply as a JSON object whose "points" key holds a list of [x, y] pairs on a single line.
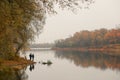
{"points": [[17, 64], [87, 49], [109, 49]]}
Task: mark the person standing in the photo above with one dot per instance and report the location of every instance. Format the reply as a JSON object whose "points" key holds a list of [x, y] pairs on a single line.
{"points": [[30, 56], [33, 57]]}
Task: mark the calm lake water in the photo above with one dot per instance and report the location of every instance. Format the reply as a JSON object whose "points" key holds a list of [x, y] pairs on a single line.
{"points": [[71, 66]]}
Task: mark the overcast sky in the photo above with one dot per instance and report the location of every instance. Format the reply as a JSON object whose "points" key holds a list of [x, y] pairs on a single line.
{"points": [[101, 14]]}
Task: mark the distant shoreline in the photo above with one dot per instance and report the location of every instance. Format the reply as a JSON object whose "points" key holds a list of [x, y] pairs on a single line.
{"points": [[86, 49], [106, 50]]}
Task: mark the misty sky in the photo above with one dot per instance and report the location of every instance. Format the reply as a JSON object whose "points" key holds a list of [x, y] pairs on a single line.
{"points": [[101, 14]]}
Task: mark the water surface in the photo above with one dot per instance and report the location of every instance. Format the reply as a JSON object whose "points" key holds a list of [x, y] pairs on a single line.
{"points": [[74, 66], [67, 66]]}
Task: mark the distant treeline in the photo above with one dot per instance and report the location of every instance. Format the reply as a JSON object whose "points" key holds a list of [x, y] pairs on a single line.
{"points": [[96, 38], [42, 45]]}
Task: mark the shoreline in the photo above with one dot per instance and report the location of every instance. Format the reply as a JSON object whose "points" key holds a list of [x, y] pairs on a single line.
{"points": [[87, 49], [109, 51], [16, 64]]}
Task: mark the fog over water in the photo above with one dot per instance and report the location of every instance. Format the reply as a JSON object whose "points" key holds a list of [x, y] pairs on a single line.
{"points": [[101, 14]]}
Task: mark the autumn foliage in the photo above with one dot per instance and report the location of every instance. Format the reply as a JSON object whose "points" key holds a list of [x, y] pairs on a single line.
{"points": [[92, 39], [21, 20]]}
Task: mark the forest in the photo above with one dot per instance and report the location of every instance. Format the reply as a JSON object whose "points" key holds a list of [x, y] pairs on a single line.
{"points": [[95, 39]]}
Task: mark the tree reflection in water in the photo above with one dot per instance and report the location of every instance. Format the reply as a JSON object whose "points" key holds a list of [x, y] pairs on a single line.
{"points": [[87, 59], [11, 74]]}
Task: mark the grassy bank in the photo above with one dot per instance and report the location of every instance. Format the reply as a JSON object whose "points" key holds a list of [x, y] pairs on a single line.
{"points": [[18, 63]]}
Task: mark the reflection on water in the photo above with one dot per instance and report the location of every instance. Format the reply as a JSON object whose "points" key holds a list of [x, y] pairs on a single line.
{"points": [[11, 74], [67, 66], [87, 59], [31, 67]]}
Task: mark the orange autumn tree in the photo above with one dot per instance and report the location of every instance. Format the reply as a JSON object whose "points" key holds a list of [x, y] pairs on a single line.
{"points": [[113, 36], [96, 38]]}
